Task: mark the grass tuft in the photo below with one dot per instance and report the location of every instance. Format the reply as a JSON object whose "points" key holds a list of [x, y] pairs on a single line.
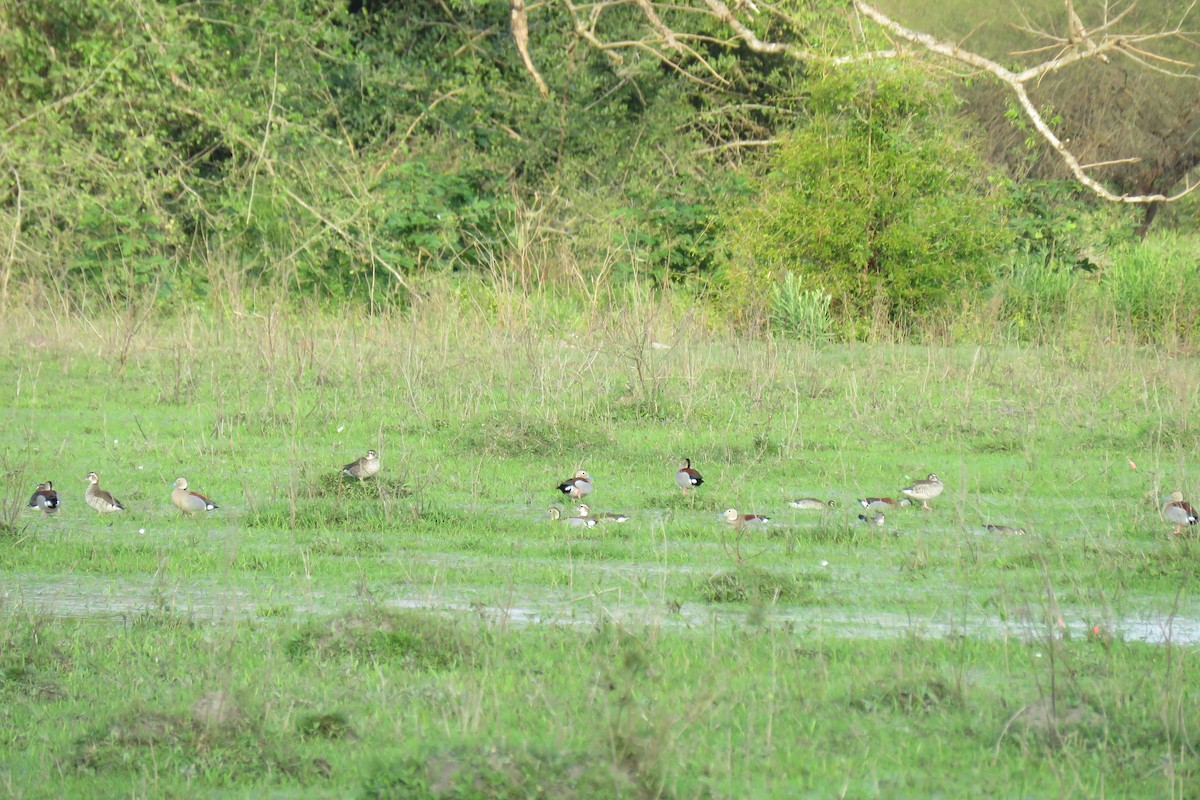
{"points": [[225, 749], [499, 772], [329, 725], [515, 435], [918, 695], [350, 490], [748, 584], [415, 639]]}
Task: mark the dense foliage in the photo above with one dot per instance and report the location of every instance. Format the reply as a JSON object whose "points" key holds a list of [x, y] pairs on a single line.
{"points": [[348, 150], [877, 199]]}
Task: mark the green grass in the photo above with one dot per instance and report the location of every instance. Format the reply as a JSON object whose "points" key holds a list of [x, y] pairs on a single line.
{"points": [[431, 634]]}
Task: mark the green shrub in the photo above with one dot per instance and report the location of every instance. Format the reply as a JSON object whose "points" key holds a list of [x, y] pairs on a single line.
{"points": [[437, 217], [880, 197], [1060, 220]]}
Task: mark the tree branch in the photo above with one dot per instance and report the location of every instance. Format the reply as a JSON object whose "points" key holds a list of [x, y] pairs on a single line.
{"points": [[520, 29], [1016, 84], [1077, 46]]}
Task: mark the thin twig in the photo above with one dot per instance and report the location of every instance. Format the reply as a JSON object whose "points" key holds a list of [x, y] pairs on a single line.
{"points": [[262, 148]]}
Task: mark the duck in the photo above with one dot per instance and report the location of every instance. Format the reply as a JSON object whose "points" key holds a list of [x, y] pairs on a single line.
{"points": [[578, 487], [687, 478], [575, 522], [884, 503], [585, 511], [875, 519], [740, 521], [1179, 512], [925, 490], [45, 498], [812, 504], [190, 502], [1005, 530], [99, 499], [362, 468]]}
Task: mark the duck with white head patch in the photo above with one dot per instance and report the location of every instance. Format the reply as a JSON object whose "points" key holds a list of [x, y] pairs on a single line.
{"points": [[585, 511], [362, 468], [99, 499], [573, 522]]}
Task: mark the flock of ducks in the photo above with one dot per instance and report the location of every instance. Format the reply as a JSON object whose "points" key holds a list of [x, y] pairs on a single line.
{"points": [[1176, 511], [687, 478], [45, 498]]}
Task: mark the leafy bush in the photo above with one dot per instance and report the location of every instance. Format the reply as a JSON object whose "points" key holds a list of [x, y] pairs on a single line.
{"points": [[879, 197], [678, 231], [438, 217]]}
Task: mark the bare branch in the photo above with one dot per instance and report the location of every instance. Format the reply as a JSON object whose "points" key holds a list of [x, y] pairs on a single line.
{"points": [[667, 35], [1078, 45], [736, 145], [520, 29], [751, 40], [1016, 84]]}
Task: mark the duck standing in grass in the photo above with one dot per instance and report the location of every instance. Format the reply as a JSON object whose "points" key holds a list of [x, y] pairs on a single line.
{"points": [[925, 490], [44, 498], [1179, 512], [883, 503], [99, 499], [190, 502], [574, 522], [740, 521], [362, 468], [578, 487], [585, 511], [875, 519], [687, 478]]}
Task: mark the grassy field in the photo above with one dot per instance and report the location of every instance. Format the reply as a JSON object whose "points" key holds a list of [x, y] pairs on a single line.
{"points": [[432, 634]]}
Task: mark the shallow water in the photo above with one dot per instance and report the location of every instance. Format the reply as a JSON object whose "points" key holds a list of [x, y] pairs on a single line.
{"points": [[99, 599]]}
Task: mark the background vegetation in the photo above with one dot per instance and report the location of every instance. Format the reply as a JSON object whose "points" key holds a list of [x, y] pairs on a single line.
{"points": [[357, 150]]}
